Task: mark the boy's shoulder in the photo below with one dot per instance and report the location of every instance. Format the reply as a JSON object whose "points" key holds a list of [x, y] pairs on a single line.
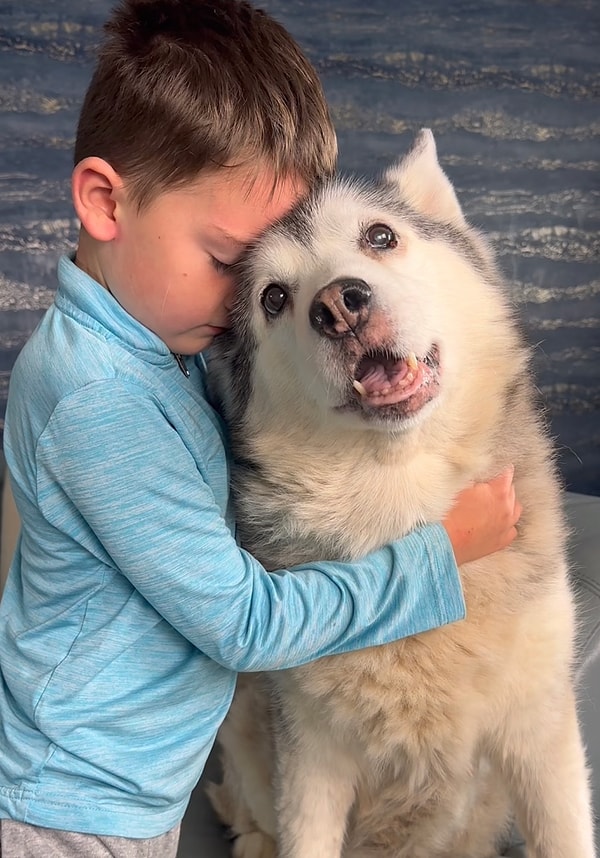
{"points": [[86, 346]]}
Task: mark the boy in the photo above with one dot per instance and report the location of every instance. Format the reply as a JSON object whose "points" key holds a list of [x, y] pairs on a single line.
{"points": [[129, 607]]}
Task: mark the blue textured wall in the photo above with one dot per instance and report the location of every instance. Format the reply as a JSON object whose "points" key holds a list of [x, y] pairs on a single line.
{"points": [[511, 90]]}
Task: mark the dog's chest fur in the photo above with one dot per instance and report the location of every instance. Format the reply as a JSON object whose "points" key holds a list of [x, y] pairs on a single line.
{"points": [[332, 497], [342, 505]]}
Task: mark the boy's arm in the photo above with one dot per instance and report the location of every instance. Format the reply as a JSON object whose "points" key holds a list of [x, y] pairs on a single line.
{"points": [[144, 510]]}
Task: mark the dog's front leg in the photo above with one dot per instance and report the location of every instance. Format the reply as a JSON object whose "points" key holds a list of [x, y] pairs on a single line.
{"points": [[315, 791], [544, 763]]}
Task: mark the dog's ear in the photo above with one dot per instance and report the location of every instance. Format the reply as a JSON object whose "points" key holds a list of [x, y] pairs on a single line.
{"points": [[423, 183]]}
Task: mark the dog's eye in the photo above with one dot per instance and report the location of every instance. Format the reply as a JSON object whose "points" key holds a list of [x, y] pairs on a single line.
{"points": [[274, 299], [380, 237]]}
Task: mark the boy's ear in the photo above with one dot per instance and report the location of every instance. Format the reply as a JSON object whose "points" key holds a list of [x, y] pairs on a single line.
{"points": [[94, 184]]}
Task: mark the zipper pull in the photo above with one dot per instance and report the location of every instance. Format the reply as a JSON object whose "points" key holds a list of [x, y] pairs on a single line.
{"points": [[181, 364]]}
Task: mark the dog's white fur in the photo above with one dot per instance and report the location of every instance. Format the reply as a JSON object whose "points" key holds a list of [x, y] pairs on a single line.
{"points": [[422, 748]]}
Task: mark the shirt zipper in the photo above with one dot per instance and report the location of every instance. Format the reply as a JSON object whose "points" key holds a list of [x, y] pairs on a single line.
{"points": [[181, 364]]}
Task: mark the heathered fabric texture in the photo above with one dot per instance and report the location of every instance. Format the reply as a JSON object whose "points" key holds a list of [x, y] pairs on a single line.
{"points": [[20, 840]]}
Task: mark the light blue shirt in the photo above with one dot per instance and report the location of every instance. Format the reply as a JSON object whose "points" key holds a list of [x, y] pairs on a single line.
{"points": [[129, 606]]}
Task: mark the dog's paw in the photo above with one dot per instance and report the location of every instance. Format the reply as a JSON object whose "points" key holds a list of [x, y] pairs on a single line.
{"points": [[255, 845]]}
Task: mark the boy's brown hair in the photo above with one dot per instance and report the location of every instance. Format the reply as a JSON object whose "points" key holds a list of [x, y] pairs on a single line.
{"points": [[183, 86]]}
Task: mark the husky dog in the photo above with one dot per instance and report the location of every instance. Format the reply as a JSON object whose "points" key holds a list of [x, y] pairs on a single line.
{"points": [[373, 370]]}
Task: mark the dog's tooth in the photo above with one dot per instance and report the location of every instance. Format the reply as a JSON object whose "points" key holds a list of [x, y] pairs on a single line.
{"points": [[359, 387], [411, 360]]}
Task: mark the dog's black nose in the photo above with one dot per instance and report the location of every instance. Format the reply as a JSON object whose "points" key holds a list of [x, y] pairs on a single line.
{"points": [[341, 307]]}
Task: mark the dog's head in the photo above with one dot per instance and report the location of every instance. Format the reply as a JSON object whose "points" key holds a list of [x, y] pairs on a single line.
{"points": [[369, 302]]}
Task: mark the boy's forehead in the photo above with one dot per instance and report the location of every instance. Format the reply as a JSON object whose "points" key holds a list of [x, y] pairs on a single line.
{"points": [[241, 203], [259, 185]]}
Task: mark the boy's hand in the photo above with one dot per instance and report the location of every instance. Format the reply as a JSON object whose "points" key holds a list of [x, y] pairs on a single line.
{"points": [[483, 518]]}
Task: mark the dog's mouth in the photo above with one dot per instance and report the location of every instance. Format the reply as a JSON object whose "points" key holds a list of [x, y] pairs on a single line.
{"points": [[384, 379]]}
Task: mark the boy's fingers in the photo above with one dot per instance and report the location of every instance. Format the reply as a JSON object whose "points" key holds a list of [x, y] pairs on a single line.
{"points": [[518, 511], [505, 477], [507, 474]]}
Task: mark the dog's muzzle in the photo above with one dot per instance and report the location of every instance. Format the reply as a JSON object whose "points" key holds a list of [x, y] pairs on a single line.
{"points": [[341, 308]]}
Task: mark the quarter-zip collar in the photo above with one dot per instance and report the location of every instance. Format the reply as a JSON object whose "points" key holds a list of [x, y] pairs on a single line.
{"points": [[180, 359], [83, 298]]}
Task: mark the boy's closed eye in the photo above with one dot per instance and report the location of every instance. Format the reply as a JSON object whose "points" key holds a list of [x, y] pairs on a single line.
{"points": [[225, 250], [221, 267]]}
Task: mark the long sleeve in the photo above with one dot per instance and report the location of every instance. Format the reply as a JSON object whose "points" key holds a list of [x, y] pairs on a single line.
{"points": [[145, 509]]}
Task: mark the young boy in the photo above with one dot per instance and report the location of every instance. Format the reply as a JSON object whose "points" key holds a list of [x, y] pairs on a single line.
{"points": [[129, 606]]}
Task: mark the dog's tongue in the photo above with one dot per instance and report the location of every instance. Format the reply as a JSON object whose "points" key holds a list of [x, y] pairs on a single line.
{"points": [[387, 378], [379, 376]]}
